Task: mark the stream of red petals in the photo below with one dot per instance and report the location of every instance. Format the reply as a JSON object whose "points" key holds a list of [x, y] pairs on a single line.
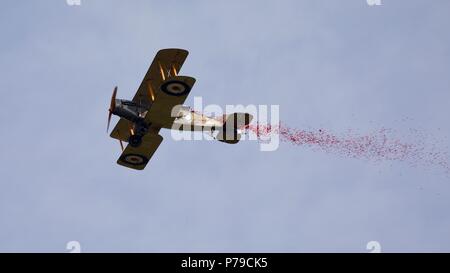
{"points": [[376, 146]]}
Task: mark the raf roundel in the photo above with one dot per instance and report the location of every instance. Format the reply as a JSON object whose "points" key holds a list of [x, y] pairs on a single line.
{"points": [[175, 88], [134, 159]]}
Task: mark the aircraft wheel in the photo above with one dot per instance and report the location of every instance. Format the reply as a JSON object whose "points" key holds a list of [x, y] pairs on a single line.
{"points": [[175, 88], [135, 141], [142, 130]]}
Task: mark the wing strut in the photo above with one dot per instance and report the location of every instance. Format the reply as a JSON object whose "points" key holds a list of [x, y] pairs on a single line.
{"points": [[174, 70], [151, 94], [161, 70], [120, 141]]}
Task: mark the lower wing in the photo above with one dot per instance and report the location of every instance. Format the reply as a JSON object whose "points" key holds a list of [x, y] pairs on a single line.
{"points": [[138, 157]]}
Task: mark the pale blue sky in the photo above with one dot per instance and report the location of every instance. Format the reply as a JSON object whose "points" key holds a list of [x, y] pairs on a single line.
{"points": [[328, 64]]}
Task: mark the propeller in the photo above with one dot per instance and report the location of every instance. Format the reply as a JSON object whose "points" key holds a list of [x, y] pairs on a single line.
{"points": [[112, 107]]}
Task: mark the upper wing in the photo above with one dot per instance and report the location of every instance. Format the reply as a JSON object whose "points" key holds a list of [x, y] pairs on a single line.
{"points": [[167, 63], [137, 158], [171, 93]]}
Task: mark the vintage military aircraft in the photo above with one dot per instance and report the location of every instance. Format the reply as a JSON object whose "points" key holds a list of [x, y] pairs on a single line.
{"points": [[158, 104]]}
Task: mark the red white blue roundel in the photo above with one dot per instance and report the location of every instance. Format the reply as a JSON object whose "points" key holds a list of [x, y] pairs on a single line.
{"points": [[134, 159], [175, 88]]}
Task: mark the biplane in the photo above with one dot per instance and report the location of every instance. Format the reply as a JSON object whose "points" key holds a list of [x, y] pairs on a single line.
{"points": [[157, 104]]}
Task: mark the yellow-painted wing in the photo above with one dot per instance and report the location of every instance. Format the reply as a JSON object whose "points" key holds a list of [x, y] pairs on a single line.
{"points": [[121, 130], [167, 63], [171, 93], [137, 158]]}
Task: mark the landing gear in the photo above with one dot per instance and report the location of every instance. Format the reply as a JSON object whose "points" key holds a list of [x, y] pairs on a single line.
{"points": [[141, 130], [135, 140]]}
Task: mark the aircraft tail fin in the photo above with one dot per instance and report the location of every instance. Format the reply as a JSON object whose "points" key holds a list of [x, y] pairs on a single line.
{"points": [[229, 132]]}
